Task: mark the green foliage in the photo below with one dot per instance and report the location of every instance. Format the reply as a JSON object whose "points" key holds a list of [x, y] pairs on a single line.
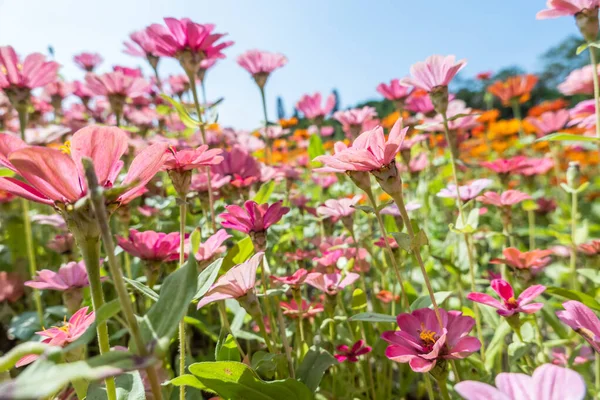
{"points": [[313, 367]]}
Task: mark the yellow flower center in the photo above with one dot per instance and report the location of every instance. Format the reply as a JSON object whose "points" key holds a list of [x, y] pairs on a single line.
{"points": [[512, 302], [428, 337], [66, 148]]}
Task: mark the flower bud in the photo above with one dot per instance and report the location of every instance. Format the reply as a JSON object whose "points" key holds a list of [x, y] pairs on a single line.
{"points": [[573, 175], [587, 22], [181, 181], [439, 98], [259, 240], [389, 179], [360, 179]]}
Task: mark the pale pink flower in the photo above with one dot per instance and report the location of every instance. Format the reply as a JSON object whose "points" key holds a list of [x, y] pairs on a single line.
{"points": [[505, 199], [258, 62], [537, 166], [560, 358], [370, 151], [253, 217], [563, 8], [62, 244], [583, 115], [235, 283], [435, 71], [324, 180], [273, 132], [117, 84], [467, 192], [548, 382], [549, 122], [509, 305], [421, 342], [455, 108], [351, 354], [151, 245], [11, 287], [148, 211], [579, 81], [503, 166], [419, 102], [212, 246], [88, 61], [355, 117], [534, 259], [309, 310], [296, 279], [418, 163], [394, 91], [582, 320], [33, 72], [311, 107], [393, 210], [337, 209], [81, 90], [142, 45], [58, 89], [61, 336], [72, 275], [179, 84], [200, 182], [331, 284]]}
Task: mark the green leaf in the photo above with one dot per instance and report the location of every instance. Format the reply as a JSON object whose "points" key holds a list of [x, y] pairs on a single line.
{"points": [[365, 209], [129, 387], [591, 274], [582, 48], [104, 313], [403, 240], [359, 300], [184, 116], [189, 380], [313, 367], [266, 364], [143, 289], [496, 345], [574, 295], [425, 301], [195, 240], [419, 241], [229, 351], [239, 253], [566, 137], [207, 277], [315, 147], [264, 193], [234, 381], [176, 293], [373, 317]]}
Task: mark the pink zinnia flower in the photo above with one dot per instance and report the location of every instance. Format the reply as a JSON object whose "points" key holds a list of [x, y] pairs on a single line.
{"points": [[179, 84], [455, 108], [563, 8], [337, 209], [117, 84], [355, 117], [394, 91], [311, 107], [11, 287], [579, 81], [351, 354], [62, 244], [33, 72], [260, 64], [212, 246], [421, 342], [591, 248], [235, 283], [467, 192], [503, 166], [141, 45], [549, 122], [436, 71], [419, 102], [559, 357], [582, 320], [188, 159], [534, 259], [509, 305], [151, 246], [309, 310], [537, 166], [296, 279], [55, 177], [253, 217], [547, 382], [505, 199], [583, 115], [72, 275], [58, 90], [241, 167], [61, 336], [370, 151], [81, 90], [88, 61], [331, 284]]}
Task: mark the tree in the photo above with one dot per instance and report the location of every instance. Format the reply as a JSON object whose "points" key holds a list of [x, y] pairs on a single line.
{"points": [[280, 108]]}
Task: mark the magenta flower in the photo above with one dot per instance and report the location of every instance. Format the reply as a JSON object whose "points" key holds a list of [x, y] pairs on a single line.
{"points": [[351, 354], [421, 342], [419, 102], [331, 284], [505, 199], [212, 246], [55, 177], [582, 320], [563, 8], [537, 166], [117, 84], [370, 151], [436, 71], [467, 192], [11, 287], [235, 283], [88, 61], [61, 336], [548, 382], [296, 279], [337, 209], [260, 64], [549, 122], [579, 81], [188, 159], [253, 217], [311, 107], [72, 275], [509, 305], [33, 72], [394, 91], [241, 167], [151, 246]]}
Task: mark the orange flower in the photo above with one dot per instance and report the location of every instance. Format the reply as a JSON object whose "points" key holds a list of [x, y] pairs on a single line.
{"points": [[550, 105], [488, 116], [514, 88], [389, 121], [301, 134], [288, 123]]}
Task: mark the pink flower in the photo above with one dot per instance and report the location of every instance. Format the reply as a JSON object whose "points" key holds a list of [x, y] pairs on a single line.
{"points": [[296, 279], [81, 90], [355, 117], [534, 259], [345, 353], [549, 122], [559, 357], [331, 284], [151, 246], [253, 217], [117, 84], [579, 81], [324, 180], [370, 151], [147, 211], [58, 89], [212, 246], [394, 91], [390, 240], [62, 244], [33, 72], [582, 320], [537, 166], [583, 115], [310, 106], [309, 310], [11, 287], [419, 102], [258, 62], [241, 167], [179, 84], [328, 260], [509, 305], [563, 8], [337, 209], [455, 108], [505, 199], [70, 276], [64, 335], [418, 163], [467, 192], [142, 45], [392, 209], [55, 177], [421, 342], [235, 283], [188, 159], [506, 166], [547, 382], [273, 132], [591, 248], [434, 72], [88, 61]]}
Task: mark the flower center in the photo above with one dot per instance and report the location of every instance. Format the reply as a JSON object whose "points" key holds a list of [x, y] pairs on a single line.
{"points": [[66, 148], [512, 303], [429, 338]]}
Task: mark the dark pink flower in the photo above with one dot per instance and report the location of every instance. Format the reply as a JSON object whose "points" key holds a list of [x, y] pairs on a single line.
{"points": [[212, 246], [88, 61], [253, 217], [436, 71], [506, 166], [351, 354], [591, 248], [505, 199], [32, 73], [151, 246], [70, 276], [421, 341], [509, 305], [241, 167], [311, 107]]}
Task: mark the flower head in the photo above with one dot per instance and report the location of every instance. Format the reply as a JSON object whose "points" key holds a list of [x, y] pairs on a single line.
{"points": [[563, 8], [212, 246], [311, 107], [296, 279], [582, 320], [62, 244], [509, 305], [88, 61], [505, 199], [421, 341], [337, 209], [117, 84], [534, 259], [141, 45], [33, 72], [503, 166], [151, 246], [466, 192], [308, 310], [355, 117], [331, 283], [11, 287], [515, 88], [436, 71], [351, 354], [547, 382], [550, 122], [579, 81], [394, 91], [72, 275], [253, 217], [260, 64], [188, 159], [240, 166]]}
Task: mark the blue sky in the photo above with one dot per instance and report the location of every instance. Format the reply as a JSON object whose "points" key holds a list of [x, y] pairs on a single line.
{"points": [[350, 45]]}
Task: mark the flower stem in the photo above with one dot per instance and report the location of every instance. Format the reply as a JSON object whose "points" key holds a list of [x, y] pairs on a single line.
{"points": [[269, 144], [263, 331], [102, 217], [429, 386], [182, 215], [531, 219], [225, 322], [443, 389], [516, 107], [573, 261], [284, 340], [594, 62]]}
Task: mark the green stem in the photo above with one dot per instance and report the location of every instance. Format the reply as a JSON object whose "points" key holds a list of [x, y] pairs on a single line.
{"points": [[182, 215], [573, 261], [531, 219], [596, 89], [225, 322], [443, 389], [516, 107], [284, 340], [263, 331], [429, 386]]}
